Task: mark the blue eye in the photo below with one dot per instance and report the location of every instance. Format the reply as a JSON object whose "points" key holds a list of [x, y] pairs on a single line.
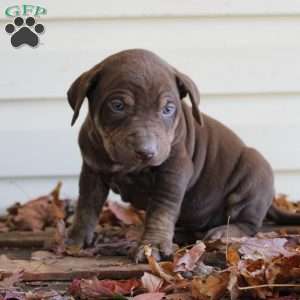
{"points": [[117, 105], [169, 109]]}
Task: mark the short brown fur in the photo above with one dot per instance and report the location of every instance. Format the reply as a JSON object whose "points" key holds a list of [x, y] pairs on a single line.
{"points": [[199, 173]]}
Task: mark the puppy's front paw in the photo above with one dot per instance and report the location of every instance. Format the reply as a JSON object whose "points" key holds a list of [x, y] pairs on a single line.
{"points": [[78, 238], [161, 250]]}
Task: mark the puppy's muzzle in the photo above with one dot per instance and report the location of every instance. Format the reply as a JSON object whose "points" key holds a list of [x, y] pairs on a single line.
{"points": [[145, 147], [146, 152]]}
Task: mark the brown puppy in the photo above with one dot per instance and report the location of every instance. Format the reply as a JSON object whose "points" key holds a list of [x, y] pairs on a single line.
{"points": [[141, 140]]}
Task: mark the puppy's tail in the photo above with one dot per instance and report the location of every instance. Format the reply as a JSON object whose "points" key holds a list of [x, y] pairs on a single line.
{"points": [[281, 217]]}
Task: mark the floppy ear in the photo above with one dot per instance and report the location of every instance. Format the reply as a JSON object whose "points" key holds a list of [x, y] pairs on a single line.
{"points": [[187, 86], [80, 88]]}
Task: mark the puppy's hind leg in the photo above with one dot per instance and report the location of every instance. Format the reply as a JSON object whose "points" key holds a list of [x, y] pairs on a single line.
{"points": [[92, 195], [250, 197]]}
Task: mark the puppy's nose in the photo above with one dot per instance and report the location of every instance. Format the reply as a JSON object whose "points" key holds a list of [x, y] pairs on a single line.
{"points": [[145, 153]]}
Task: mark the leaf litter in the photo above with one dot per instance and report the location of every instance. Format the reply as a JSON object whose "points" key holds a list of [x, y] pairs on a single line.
{"points": [[263, 267]]}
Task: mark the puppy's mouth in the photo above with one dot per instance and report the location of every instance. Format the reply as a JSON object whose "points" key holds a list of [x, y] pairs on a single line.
{"points": [[132, 159], [152, 162], [136, 153]]}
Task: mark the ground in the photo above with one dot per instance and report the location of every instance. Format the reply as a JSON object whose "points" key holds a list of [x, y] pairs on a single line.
{"points": [[36, 264]]}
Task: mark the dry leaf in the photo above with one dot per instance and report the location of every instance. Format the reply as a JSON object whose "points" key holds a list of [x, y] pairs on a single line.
{"points": [[188, 260], [232, 286], [283, 203], [157, 268], [58, 207], [58, 213], [151, 282], [212, 287], [127, 215], [233, 256], [253, 271], [34, 215], [283, 269], [266, 249]]}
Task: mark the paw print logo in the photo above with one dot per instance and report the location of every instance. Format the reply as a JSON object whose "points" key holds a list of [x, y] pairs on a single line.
{"points": [[24, 33]]}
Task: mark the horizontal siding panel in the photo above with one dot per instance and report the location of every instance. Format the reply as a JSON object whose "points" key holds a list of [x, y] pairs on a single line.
{"points": [[55, 114], [243, 55], [36, 137], [223, 57], [39, 153], [166, 8], [55, 152], [23, 189]]}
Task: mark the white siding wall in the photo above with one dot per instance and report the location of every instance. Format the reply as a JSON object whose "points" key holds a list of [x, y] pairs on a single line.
{"points": [[244, 55]]}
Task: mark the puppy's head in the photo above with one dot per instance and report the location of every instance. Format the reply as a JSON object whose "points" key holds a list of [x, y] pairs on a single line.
{"points": [[135, 104]]}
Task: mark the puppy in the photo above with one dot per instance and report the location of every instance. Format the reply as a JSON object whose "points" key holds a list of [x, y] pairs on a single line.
{"points": [[142, 141]]}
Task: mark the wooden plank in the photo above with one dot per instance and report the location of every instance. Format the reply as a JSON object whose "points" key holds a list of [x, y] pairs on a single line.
{"points": [[68, 268], [25, 239]]}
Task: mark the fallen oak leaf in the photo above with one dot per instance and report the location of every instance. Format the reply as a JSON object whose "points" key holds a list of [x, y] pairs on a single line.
{"points": [[183, 284], [156, 268], [126, 214], [58, 207], [269, 263], [232, 286], [151, 282], [253, 272], [58, 213], [34, 215], [232, 256], [188, 261], [212, 287], [282, 202], [266, 249], [283, 269]]}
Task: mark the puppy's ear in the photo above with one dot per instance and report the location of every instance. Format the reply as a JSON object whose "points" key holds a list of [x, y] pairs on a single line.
{"points": [[187, 86], [80, 88]]}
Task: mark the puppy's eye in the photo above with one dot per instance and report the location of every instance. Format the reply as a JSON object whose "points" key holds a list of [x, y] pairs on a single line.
{"points": [[169, 109], [117, 105]]}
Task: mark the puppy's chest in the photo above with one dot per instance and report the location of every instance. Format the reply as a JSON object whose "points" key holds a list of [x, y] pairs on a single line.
{"points": [[134, 188]]}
